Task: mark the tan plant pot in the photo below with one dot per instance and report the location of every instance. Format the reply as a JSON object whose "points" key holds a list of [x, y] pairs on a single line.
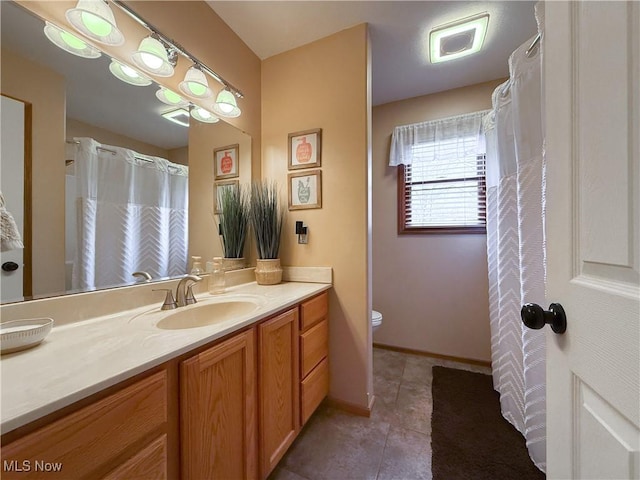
{"points": [[268, 272], [232, 263]]}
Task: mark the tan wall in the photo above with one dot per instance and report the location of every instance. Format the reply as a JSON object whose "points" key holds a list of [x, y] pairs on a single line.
{"points": [[432, 290], [325, 85], [179, 155], [204, 240], [76, 128], [45, 90]]}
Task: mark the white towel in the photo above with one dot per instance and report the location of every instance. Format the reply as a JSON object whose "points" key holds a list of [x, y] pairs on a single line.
{"points": [[9, 234]]}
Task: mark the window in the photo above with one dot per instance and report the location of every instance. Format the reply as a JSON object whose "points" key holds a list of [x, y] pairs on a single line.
{"points": [[441, 179]]}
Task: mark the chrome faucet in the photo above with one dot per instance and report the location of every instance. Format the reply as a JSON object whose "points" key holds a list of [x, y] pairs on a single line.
{"points": [[184, 292]]}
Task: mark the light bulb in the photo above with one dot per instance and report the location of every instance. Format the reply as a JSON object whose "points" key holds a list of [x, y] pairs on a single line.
{"points": [[195, 84], [169, 97], [72, 40], [203, 113], [94, 19], [225, 107], [150, 60], [129, 72], [196, 89], [96, 25], [173, 97], [69, 42]]}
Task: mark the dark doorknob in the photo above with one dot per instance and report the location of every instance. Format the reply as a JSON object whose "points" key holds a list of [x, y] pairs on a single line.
{"points": [[533, 316], [10, 266]]}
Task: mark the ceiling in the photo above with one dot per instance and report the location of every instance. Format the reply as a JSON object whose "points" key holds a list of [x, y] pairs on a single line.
{"points": [[399, 32]]}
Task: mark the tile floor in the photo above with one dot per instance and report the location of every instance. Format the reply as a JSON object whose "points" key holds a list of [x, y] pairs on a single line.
{"points": [[394, 443]]}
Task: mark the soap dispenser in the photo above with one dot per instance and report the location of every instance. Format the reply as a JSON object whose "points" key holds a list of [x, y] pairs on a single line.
{"points": [[216, 278], [196, 265]]}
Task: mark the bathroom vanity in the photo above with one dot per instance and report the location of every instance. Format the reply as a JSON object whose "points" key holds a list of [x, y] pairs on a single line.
{"points": [[224, 399]]}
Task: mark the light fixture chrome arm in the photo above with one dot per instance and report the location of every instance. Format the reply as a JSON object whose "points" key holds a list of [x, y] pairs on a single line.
{"points": [[176, 46]]}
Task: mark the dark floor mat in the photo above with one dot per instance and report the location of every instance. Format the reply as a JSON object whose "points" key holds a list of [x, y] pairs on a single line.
{"points": [[470, 439]]}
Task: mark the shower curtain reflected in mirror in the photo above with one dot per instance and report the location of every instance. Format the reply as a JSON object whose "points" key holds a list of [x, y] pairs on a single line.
{"points": [[515, 246], [131, 214]]}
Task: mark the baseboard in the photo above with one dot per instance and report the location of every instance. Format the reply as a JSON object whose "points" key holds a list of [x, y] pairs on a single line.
{"points": [[350, 407], [468, 361]]}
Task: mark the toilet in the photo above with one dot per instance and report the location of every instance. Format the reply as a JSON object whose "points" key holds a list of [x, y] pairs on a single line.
{"points": [[376, 320]]}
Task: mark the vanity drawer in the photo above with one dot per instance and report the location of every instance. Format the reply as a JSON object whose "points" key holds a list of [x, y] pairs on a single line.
{"points": [[94, 439], [149, 463], [314, 388], [314, 346], [314, 310]]}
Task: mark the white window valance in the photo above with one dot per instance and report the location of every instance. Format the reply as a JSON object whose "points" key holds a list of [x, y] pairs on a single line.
{"points": [[406, 137]]}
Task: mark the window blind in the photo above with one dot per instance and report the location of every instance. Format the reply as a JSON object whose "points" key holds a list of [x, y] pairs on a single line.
{"points": [[444, 186]]}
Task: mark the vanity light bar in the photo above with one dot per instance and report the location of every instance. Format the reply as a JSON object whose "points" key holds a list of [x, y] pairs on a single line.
{"points": [[176, 46]]}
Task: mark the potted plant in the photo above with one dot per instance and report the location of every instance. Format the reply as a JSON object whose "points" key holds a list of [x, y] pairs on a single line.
{"points": [[234, 222], [267, 216]]}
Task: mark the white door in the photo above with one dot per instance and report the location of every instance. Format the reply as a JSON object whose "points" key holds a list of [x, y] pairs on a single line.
{"points": [[12, 187], [592, 123]]}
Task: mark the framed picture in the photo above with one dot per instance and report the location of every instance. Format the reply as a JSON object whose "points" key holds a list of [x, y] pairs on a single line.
{"points": [[305, 149], [218, 187], [305, 190], [226, 162]]}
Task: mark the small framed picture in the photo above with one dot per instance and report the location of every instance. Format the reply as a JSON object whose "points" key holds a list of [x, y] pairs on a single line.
{"points": [[226, 162], [218, 187], [305, 149], [305, 190]]}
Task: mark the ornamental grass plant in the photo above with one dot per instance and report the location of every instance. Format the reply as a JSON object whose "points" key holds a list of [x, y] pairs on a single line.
{"points": [[266, 217], [234, 220]]}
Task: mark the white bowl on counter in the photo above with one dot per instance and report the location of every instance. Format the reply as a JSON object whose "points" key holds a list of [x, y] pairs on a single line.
{"points": [[17, 335]]}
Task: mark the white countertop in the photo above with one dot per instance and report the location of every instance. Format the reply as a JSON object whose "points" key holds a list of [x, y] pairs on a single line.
{"points": [[82, 358]]}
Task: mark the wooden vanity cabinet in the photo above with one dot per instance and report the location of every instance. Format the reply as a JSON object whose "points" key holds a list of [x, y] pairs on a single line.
{"points": [[227, 411], [218, 411], [122, 436], [314, 353], [279, 387]]}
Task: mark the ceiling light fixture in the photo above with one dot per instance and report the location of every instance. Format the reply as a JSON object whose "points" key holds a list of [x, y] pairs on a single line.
{"points": [[153, 58], [203, 115], [95, 20], [170, 97], [69, 42], [174, 49], [177, 115], [458, 39], [226, 105], [127, 74], [195, 84]]}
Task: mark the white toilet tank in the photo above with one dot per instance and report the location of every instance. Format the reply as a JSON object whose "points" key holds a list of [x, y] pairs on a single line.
{"points": [[376, 319]]}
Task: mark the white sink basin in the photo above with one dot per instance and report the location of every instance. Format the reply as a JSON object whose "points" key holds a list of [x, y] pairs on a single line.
{"points": [[200, 315]]}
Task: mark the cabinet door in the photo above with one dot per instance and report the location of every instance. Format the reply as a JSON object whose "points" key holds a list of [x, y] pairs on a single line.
{"points": [[279, 387], [218, 411], [93, 440]]}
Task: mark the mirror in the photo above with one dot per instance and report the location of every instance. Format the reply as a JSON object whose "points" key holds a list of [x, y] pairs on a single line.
{"points": [[75, 97]]}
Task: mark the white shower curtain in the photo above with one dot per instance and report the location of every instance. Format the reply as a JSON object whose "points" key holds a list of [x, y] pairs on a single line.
{"points": [[131, 215], [515, 246]]}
